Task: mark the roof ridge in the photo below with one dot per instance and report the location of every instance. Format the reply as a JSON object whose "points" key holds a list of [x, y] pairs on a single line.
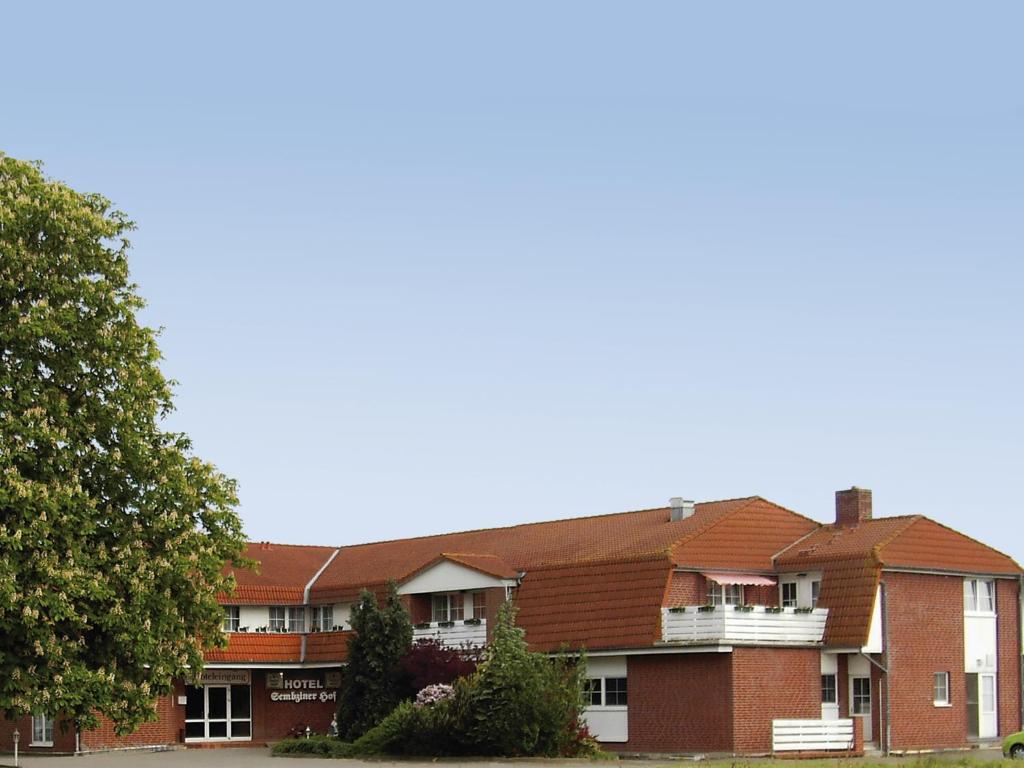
{"points": [[877, 549], [537, 522], [280, 544], [918, 518]]}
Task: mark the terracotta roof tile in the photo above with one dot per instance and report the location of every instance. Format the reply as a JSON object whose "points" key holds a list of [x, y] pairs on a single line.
{"points": [[848, 587], [281, 578], [594, 605], [626, 535], [928, 544], [327, 646], [258, 647], [746, 539]]}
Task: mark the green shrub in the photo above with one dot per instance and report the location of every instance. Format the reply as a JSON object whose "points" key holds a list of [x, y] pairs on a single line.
{"points": [[323, 746]]}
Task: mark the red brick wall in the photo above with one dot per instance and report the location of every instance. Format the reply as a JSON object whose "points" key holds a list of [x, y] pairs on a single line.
{"points": [[769, 683], [925, 616], [1008, 635], [679, 703], [686, 589], [166, 730], [63, 738], [272, 720]]}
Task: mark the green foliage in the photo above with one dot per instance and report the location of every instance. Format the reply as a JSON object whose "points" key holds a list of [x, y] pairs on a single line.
{"points": [[372, 686], [320, 746], [521, 703], [113, 536], [517, 703]]}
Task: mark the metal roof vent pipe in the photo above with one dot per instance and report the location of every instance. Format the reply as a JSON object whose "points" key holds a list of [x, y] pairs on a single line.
{"points": [[680, 509]]}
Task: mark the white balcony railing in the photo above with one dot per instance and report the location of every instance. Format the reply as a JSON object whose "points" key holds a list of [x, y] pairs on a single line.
{"points": [[458, 635], [757, 624], [812, 735]]}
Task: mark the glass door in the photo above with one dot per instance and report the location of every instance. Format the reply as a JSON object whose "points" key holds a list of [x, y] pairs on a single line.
{"points": [[860, 703], [218, 713], [987, 726]]}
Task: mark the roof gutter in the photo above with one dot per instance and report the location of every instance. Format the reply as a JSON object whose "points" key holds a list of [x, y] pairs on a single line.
{"points": [[317, 575], [949, 572]]}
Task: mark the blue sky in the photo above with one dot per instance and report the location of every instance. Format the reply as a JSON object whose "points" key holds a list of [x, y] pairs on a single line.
{"points": [[432, 266]]}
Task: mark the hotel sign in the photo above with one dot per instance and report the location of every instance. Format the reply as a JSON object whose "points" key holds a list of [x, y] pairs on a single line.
{"points": [[296, 690]]}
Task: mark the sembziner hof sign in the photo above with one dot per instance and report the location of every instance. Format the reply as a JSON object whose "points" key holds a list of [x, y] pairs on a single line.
{"points": [[299, 689]]}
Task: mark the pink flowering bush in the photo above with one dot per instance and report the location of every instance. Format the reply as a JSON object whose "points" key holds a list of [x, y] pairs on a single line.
{"points": [[432, 694]]}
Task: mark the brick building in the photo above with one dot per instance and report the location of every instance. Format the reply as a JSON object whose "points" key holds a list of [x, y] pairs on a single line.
{"points": [[735, 627]]}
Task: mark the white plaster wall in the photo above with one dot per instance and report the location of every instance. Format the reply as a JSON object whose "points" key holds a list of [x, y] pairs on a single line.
{"points": [[875, 644], [609, 724], [447, 576], [979, 642]]}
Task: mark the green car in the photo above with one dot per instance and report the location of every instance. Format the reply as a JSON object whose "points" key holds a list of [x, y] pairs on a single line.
{"points": [[1013, 746]]}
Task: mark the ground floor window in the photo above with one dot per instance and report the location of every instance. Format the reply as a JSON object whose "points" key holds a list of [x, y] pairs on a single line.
{"points": [[828, 689], [606, 692], [861, 701], [222, 712], [42, 731], [940, 689]]}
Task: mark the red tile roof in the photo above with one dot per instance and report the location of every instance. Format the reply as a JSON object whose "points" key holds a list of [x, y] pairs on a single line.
{"points": [[327, 646], [258, 647], [283, 572], [851, 559], [594, 605], [616, 537]]}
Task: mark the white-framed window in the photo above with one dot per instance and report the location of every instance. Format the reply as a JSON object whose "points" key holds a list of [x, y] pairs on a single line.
{"points": [[606, 692], [230, 618], [860, 703], [788, 594], [322, 618], [940, 689], [297, 618], [448, 606], [277, 618], [829, 693], [979, 596], [815, 592], [42, 731], [724, 594]]}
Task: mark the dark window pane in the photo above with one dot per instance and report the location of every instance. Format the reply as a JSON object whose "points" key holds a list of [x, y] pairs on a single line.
{"points": [[217, 699], [194, 703], [240, 701], [240, 729], [195, 730], [592, 691], [219, 730], [615, 691]]}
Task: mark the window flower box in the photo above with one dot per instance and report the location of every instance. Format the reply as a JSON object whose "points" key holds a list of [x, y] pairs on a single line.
{"points": [[677, 609], [446, 623], [705, 609], [419, 625], [803, 610], [773, 609], [744, 608], [473, 622]]}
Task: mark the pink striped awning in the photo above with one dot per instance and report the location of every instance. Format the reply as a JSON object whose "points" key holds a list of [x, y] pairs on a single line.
{"points": [[740, 578]]}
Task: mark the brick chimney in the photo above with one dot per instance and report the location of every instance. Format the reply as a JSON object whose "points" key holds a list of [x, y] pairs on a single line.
{"points": [[853, 506]]}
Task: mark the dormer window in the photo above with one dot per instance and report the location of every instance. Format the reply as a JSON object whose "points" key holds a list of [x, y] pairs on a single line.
{"points": [[322, 618], [230, 618], [449, 606], [725, 594]]}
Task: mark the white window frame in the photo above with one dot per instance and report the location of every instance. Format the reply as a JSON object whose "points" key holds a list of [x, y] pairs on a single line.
{"points": [[783, 600], [815, 592], [602, 686], [453, 608], [296, 618], [724, 594], [278, 618], [835, 688], [44, 723], [940, 690], [231, 618], [322, 619], [980, 596]]}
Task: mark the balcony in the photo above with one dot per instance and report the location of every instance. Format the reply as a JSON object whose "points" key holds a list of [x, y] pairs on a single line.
{"points": [[758, 625], [470, 633]]}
